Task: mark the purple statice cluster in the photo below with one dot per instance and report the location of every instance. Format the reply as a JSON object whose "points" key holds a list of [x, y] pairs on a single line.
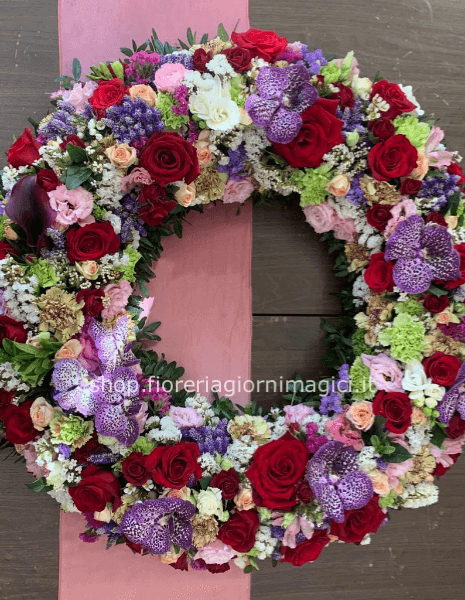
{"points": [[59, 241], [332, 401], [355, 193], [133, 121], [104, 458], [439, 189], [235, 168], [313, 60], [130, 220], [352, 118], [209, 439], [181, 97], [454, 330], [182, 58], [61, 124], [141, 67]]}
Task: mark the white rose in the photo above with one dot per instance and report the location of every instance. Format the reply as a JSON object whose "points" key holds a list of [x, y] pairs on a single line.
{"points": [[223, 114], [434, 393], [415, 380], [209, 502], [199, 104], [361, 85]]}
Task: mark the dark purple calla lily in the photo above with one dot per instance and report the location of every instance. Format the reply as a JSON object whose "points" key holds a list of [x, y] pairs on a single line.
{"points": [[29, 207]]}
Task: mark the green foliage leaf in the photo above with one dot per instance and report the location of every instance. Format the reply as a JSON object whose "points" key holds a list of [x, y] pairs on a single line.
{"points": [[77, 154], [39, 485], [222, 33], [400, 454], [76, 70], [439, 435], [76, 175]]}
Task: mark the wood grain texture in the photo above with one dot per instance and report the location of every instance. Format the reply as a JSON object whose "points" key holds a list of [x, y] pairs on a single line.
{"points": [[420, 555]]}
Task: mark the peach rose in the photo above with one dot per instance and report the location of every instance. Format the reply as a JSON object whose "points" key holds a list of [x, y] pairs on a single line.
{"points": [[88, 268], [104, 515], [145, 93], [72, 349], [245, 118], [171, 556], [322, 217], [170, 76], [119, 295], [184, 493], [380, 482], [41, 413], [339, 186], [422, 166], [452, 221], [9, 233], [360, 414], [202, 145], [185, 194], [244, 500], [121, 156]]}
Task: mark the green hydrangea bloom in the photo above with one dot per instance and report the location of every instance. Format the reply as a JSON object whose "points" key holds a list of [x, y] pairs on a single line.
{"points": [[71, 430], [44, 272], [128, 270], [360, 381], [313, 183], [143, 445], [415, 131], [99, 213], [411, 307], [359, 345], [332, 73], [406, 338], [165, 102], [236, 90], [3, 219]]}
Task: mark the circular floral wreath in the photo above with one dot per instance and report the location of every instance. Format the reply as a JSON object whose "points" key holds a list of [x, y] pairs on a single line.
{"points": [[86, 203]]}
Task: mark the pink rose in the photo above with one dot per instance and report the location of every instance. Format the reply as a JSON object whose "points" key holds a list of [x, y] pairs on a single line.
{"points": [[79, 95], [215, 553], [340, 431], [185, 417], [170, 76], [119, 294], [72, 206], [297, 413], [322, 217], [384, 372], [237, 191], [344, 229], [136, 178], [401, 211]]}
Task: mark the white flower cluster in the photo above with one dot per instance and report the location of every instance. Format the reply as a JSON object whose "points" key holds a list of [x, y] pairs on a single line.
{"points": [[417, 437], [10, 176], [241, 454], [208, 464], [366, 459], [219, 65], [19, 295], [202, 406], [265, 543], [109, 189], [422, 494], [10, 379], [167, 432]]}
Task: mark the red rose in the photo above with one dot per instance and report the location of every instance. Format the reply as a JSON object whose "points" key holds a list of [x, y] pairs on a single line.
{"points": [[168, 157], [96, 488], [456, 427], [200, 59], [442, 368], [136, 548], [382, 128], [396, 157], [456, 169], [396, 408], [24, 151], [304, 493], [441, 470], [264, 44], [394, 96], [378, 215], [435, 217], [6, 249], [217, 568], [109, 93], [19, 428], [93, 304], [238, 58], [276, 469], [173, 466], [134, 468], [72, 139], [181, 564], [47, 180], [410, 187], [320, 132], [344, 96], [450, 285], [378, 275], [6, 397], [436, 304], [227, 482], [83, 453], [239, 531], [358, 523], [12, 330], [91, 242], [307, 551], [154, 206]]}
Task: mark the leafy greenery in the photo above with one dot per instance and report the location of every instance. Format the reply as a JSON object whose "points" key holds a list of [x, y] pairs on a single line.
{"points": [[30, 362]]}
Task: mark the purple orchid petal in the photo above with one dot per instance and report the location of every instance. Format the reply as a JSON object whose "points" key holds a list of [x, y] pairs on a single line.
{"points": [[405, 241], [29, 207], [412, 276], [284, 126], [131, 433], [68, 373], [272, 82], [355, 490], [261, 110], [80, 399], [448, 405], [437, 240], [110, 420], [306, 97], [445, 267]]}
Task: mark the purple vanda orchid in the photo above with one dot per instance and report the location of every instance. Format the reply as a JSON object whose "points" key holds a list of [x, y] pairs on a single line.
{"points": [[454, 399], [423, 253], [282, 94], [336, 481]]}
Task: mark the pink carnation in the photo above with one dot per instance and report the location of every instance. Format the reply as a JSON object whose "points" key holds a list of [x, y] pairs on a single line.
{"points": [[72, 206], [186, 417], [79, 95], [119, 294], [237, 191], [344, 229], [215, 553], [297, 413], [170, 76], [384, 372], [322, 217], [339, 430], [137, 177]]}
